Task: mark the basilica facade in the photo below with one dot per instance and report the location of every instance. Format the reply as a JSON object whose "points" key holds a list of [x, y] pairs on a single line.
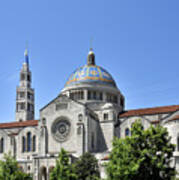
{"points": [[84, 117]]}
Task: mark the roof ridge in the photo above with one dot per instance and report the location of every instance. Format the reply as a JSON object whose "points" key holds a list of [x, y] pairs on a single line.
{"points": [[15, 124], [155, 107], [18, 121], [150, 111]]}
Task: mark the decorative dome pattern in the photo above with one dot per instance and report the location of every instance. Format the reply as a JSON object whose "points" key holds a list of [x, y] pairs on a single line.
{"points": [[91, 74]]}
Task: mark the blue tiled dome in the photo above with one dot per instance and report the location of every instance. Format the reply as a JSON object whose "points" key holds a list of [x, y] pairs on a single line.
{"points": [[91, 74]]}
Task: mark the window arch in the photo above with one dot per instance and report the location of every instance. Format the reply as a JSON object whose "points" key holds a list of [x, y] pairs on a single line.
{"points": [[127, 132], [34, 143], [2, 145], [23, 144], [28, 141]]}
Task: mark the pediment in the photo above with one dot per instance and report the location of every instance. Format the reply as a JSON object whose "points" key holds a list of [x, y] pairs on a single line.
{"points": [[62, 99], [62, 102]]}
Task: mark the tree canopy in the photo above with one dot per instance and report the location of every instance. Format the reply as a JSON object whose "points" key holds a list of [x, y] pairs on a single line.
{"points": [[63, 169], [146, 154], [10, 170], [87, 167]]}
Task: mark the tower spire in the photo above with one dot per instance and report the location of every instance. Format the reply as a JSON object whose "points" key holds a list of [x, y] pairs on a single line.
{"points": [[26, 55], [25, 94]]}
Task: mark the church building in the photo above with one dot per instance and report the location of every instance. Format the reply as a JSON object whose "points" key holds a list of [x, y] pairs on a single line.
{"points": [[84, 117]]}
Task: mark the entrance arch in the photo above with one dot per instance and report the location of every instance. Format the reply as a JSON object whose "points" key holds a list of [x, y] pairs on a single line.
{"points": [[43, 173]]}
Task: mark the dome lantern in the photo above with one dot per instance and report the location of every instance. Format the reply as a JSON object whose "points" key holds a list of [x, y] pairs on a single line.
{"points": [[91, 57]]}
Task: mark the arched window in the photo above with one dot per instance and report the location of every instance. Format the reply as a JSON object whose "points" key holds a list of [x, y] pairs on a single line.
{"points": [[23, 144], [43, 121], [177, 143], [122, 101], [2, 145], [92, 140], [79, 130], [28, 168], [101, 96], [80, 117], [94, 94], [34, 143], [89, 95], [127, 131], [28, 141], [105, 116], [22, 77]]}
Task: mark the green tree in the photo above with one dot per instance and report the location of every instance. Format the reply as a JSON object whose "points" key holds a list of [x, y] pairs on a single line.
{"points": [[87, 167], [63, 169], [146, 154], [10, 170]]}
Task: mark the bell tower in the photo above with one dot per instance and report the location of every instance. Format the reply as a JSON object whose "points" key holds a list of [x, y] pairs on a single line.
{"points": [[24, 93]]}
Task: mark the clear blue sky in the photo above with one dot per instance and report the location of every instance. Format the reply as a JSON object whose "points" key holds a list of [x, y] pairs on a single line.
{"points": [[137, 41]]}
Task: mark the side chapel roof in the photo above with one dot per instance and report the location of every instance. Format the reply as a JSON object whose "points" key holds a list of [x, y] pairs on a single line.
{"points": [[149, 111], [18, 124]]}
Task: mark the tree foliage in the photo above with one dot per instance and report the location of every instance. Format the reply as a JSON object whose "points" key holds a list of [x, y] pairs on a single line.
{"points": [[87, 167], [63, 169], [10, 170], [144, 155]]}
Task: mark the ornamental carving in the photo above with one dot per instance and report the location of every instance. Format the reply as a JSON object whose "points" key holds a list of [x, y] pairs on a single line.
{"points": [[61, 129]]}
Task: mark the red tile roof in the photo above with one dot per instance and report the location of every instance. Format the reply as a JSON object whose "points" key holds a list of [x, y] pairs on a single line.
{"points": [[155, 122], [149, 111], [18, 124], [175, 118]]}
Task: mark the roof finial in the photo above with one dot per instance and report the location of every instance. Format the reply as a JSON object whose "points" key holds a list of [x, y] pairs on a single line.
{"points": [[91, 55], [26, 54], [91, 44]]}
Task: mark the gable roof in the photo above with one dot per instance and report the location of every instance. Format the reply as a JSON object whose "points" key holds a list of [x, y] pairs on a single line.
{"points": [[18, 124], [61, 96], [149, 111]]}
